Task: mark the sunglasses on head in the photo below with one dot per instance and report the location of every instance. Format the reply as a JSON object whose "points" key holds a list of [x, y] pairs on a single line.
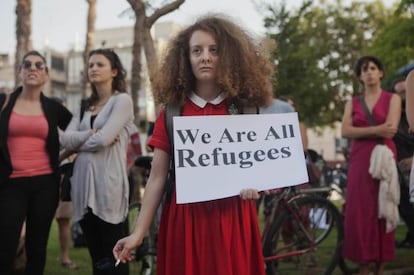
{"points": [[28, 64]]}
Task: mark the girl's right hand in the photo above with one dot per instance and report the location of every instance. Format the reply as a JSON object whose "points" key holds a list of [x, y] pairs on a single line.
{"points": [[123, 248]]}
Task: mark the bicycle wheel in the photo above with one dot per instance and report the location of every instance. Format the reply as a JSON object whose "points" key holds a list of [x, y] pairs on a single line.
{"points": [[305, 238], [145, 255]]}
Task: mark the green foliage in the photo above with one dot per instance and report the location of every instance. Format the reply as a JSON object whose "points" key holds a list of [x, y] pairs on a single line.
{"points": [[316, 47], [405, 5], [394, 47]]}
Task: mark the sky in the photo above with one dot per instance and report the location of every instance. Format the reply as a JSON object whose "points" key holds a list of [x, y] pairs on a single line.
{"points": [[59, 23]]}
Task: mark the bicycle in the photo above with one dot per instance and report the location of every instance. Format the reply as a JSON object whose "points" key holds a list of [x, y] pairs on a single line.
{"points": [[303, 232], [145, 255]]}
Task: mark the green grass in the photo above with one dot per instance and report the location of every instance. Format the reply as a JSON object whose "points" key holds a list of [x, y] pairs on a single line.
{"points": [[403, 256], [81, 257], [78, 255]]}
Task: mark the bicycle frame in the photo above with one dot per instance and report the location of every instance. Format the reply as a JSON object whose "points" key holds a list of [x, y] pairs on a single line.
{"points": [[286, 200]]}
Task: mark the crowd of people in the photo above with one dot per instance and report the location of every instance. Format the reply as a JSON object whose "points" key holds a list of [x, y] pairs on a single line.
{"points": [[212, 67]]}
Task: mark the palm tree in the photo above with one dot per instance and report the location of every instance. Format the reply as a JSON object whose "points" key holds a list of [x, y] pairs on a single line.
{"points": [[23, 33]]}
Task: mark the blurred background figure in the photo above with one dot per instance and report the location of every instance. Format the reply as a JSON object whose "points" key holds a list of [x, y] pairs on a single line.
{"points": [[404, 141]]}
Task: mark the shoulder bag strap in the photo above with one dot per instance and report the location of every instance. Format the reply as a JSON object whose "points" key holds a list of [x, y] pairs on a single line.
{"points": [[366, 110], [369, 116]]}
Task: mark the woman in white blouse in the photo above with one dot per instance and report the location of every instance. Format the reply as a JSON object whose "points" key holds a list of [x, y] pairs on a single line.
{"points": [[99, 183]]}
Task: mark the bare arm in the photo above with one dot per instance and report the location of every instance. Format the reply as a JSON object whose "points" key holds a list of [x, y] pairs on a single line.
{"points": [[386, 130], [152, 198], [409, 83]]}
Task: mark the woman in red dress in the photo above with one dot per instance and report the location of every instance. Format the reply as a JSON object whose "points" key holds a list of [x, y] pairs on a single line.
{"points": [[212, 67], [366, 240]]}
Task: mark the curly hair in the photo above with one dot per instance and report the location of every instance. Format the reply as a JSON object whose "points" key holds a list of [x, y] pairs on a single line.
{"points": [[118, 83], [363, 62], [243, 75]]}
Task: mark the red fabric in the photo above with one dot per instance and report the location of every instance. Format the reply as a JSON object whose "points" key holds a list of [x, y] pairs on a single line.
{"points": [[365, 237], [218, 237]]}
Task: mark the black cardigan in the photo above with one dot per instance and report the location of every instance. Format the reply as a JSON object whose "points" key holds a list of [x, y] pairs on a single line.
{"points": [[56, 115]]}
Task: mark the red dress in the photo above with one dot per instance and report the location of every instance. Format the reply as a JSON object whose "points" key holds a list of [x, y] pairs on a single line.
{"points": [[365, 237], [219, 237]]}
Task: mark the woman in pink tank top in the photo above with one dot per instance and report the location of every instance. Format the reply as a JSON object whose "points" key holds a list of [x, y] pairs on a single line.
{"points": [[29, 153]]}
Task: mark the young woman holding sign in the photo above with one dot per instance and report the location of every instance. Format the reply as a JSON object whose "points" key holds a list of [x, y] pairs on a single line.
{"points": [[211, 68]]}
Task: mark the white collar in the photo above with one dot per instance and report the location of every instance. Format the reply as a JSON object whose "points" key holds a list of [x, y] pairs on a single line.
{"points": [[202, 103]]}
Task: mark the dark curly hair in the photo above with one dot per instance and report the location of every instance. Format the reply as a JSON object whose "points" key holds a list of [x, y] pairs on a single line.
{"points": [[243, 75], [118, 83], [363, 62]]}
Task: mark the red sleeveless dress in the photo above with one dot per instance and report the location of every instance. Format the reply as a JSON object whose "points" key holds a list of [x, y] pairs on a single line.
{"points": [[365, 237], [219, 237]]}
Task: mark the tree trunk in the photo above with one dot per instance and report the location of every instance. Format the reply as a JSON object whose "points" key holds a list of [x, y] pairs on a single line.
{"points": [[23, 33], [143, 38], [88, 44], [138, 7], [150, 53]]}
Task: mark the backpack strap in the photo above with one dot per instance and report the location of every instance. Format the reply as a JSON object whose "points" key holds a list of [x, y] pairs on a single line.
{"points": [[171, 110]]}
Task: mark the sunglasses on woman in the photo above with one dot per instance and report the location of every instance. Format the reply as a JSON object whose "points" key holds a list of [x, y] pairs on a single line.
{"points": [[28, 65]]}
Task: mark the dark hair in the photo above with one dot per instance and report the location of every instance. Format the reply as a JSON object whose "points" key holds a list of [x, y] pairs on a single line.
{"points": [[118, 83], [243, 74], [397, 80], [35, 53], [363, 62]]}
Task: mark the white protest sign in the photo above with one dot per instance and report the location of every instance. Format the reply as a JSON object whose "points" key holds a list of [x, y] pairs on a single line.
{"points": [[218, 156]]}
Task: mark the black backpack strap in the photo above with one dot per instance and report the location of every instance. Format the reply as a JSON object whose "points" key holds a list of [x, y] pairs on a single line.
{"points": [[171, 110]]}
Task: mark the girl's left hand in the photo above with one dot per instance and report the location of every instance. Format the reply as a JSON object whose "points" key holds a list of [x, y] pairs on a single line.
{"points": [[249, 194]]}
